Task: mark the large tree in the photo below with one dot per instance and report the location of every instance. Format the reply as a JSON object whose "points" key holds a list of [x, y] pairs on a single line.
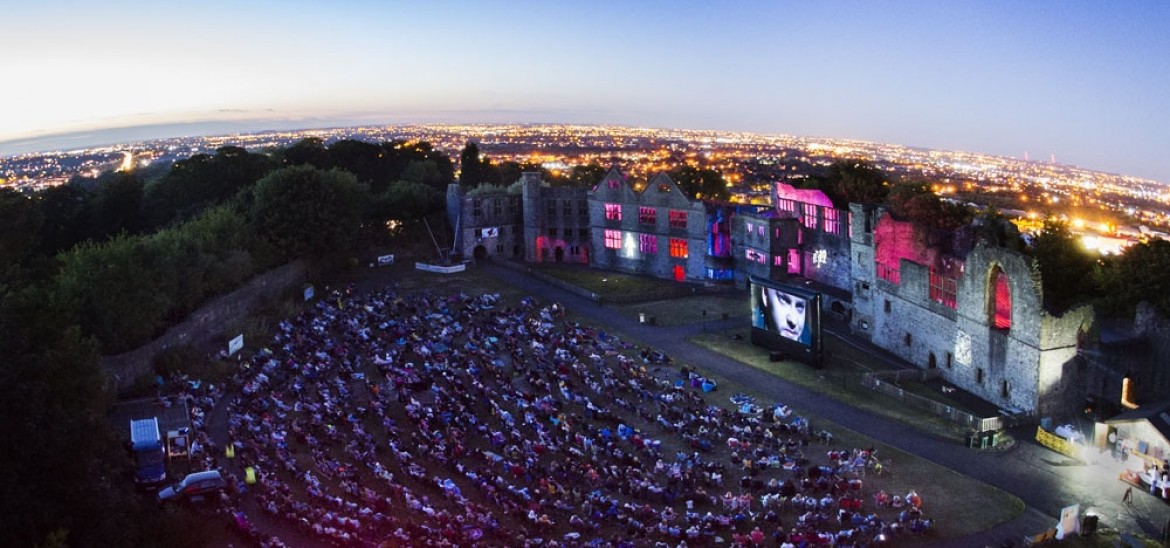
{"points": [[203, 181], [855, 181], [474, 170], [703, 183], [587, 175], [116, 206], [302, 211], [20, 226], [916, 202], [1142, 273], [1066, 267]]}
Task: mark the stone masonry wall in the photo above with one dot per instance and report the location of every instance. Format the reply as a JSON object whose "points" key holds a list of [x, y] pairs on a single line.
{"points": [[204, 326]]}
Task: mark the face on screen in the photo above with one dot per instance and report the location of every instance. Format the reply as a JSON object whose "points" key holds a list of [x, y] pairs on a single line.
{"points": [[785, 313]]}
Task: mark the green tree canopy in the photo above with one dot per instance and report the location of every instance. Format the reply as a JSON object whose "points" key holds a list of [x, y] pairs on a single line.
{"points": [[1141, 273], [587, 175], [302, 211], [473, 170], [702, 183], [994, 228], [916, 202], [63, 210], [308, 151], [20, 227], [117, 205], [853, 181], [407, 201], [203, 181], [1066, 267]]}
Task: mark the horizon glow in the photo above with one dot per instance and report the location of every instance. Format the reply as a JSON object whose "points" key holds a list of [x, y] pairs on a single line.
{"points": [[1082, 81]]}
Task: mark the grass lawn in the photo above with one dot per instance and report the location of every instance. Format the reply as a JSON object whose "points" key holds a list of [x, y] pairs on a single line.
{"points": [[839, 379], [690, 310]]}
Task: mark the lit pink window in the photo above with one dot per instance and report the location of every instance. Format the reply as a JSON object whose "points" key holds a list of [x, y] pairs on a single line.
{"points": [[810, 215], [1003, 301], [648, 243], [943, 289], [647, 215], [613, 212], [832, 220], [794, 261], [613, 239]]}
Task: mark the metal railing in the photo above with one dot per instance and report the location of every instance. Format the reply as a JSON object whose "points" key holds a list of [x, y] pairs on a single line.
{"points": [[874, 381]]}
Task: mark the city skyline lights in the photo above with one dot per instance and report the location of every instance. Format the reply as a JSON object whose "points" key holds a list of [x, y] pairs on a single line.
{"points": [[1078, 81]]}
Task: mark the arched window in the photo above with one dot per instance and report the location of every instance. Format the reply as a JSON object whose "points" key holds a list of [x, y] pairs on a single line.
{"points": [[1001, 300]]}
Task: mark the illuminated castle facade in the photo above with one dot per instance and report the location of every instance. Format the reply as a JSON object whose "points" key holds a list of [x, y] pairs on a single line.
{"points": [[973, 313]]}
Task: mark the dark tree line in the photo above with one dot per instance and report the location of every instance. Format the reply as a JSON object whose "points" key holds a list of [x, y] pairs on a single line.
{"points": [[99, 266]]}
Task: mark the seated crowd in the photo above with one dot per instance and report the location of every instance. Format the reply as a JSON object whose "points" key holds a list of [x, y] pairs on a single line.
{"points": [[463, 420]]}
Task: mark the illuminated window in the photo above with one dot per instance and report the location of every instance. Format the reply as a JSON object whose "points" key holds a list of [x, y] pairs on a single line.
{"points": [[850, 223], [678, 248], [776, 234], [794, 261], [663, 187], [613, 212], [832, 220], [760, 230], [647, 215], [1001, 299], [613, 239], [786, 205], [613, 183], [648, 243], [678, 219], [778, 260], [747, 228], [943, 289], [755, 256], [810, 216], [720, 273], [888, 273]]}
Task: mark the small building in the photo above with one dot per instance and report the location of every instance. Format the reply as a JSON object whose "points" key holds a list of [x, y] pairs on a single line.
{"points": [[1142, 435]]}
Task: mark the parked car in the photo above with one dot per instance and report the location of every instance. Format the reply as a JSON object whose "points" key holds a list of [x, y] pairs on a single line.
{"points": [[194, 486]]}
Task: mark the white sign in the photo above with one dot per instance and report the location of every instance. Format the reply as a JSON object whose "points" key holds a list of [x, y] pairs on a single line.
{"points": [[820, 257], [236, 344], [490, 232], [963, 348], [308, 292], [1070, 522], [384, 260]]}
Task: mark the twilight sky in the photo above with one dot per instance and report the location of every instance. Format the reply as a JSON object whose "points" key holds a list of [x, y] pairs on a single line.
{"points": [[1086, 81]]}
